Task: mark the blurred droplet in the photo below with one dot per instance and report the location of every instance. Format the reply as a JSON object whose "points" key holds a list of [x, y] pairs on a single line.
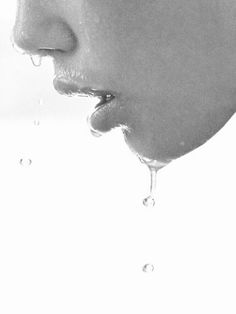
{"points": [[25, 162], [149, 201], [153, 166], [148, 268], [36, 122], [36, 60]]}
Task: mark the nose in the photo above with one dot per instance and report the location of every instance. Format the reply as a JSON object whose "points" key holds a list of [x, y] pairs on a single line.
{"points": [[40, 30]]}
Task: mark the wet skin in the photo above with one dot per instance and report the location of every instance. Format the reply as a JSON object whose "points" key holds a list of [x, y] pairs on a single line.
{"points": [[170, 64]]}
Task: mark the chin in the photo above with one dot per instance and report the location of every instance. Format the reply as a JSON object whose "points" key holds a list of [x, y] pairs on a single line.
{"points": [[165, 145], [161, 130]]}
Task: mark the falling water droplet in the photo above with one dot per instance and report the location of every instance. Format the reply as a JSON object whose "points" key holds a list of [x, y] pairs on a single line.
{"points": [[25, 162], [150, 200], [36, 60], [148, 268], [36, 122], [153, 166]]}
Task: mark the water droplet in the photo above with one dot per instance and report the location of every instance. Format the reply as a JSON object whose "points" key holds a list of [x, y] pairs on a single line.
{"points": [[149, 201], [25, 162], [154, 166], [36, 60], [148, 268], [36, 122]]}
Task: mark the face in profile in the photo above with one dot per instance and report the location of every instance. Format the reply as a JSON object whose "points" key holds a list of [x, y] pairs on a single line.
{"points": [[170, 66]]}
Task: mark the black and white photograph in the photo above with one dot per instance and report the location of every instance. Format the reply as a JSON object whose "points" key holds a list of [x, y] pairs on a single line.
{"points": [[118, 157]]}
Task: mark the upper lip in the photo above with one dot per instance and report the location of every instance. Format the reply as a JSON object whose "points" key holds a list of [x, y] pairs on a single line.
{"points": [[71, 88]]}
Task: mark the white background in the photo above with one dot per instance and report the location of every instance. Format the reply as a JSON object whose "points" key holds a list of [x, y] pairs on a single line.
{"points": [[74, 235]]}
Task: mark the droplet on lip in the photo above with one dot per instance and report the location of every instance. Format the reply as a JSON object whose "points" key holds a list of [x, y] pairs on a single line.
{"points": [[94, 132], [36, 60]]}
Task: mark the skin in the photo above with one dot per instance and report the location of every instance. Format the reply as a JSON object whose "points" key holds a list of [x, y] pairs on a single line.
{"points": [[170, 63]]}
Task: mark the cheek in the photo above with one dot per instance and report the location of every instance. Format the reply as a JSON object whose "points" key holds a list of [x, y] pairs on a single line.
{"points": [[119, 46], [137, 71]]}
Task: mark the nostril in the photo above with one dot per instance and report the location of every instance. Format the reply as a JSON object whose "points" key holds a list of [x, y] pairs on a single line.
{"points": [[47, 49], [46, 39], [50, 52]]}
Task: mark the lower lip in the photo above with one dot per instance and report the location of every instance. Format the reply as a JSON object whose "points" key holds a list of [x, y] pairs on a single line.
{"points": [[98, 117]]}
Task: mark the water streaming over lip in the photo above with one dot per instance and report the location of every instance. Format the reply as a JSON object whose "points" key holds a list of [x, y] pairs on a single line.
{"points": [[94, 132], [153, 166], [36, 60]]}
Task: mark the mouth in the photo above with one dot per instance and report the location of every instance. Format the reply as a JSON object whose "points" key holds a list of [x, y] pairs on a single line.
{"points": [[108, 113], [72, 88]]}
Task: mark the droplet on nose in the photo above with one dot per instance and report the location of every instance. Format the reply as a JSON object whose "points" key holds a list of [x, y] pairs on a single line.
{"points": [[36, 60]]}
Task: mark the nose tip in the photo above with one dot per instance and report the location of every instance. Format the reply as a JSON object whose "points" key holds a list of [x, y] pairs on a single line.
{"points": [[44, 37]]}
